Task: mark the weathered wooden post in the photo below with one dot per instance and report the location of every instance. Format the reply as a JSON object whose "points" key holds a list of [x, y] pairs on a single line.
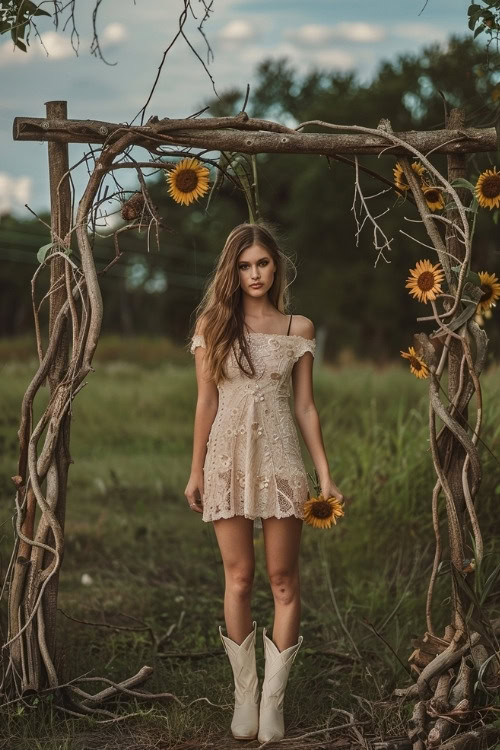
{"points": [[60, 283], [37, 646]]}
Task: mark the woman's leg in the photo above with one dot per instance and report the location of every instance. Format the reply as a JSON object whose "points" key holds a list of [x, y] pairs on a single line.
{"points": [[282, 546], [235, 539]]}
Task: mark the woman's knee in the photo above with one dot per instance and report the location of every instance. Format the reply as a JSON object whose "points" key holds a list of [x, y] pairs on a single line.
{"points": [[240, 581], [285, 585]]}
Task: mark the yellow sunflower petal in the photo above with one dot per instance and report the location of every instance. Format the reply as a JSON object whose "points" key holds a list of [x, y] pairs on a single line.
{"points": [[417, 364], [321, 512], [491, 291], [424, 283], [399, 175], [433, 198], [188, 181], [487, 189]]}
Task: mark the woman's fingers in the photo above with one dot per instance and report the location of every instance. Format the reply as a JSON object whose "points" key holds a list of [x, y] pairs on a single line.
{"points": [[194, 500]]}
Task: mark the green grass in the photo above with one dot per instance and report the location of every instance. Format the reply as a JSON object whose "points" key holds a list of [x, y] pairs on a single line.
{"points": [[154, 563]]}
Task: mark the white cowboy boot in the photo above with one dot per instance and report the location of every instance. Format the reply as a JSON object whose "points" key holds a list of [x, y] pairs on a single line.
{"points": [[277, 669], [245, 721]]}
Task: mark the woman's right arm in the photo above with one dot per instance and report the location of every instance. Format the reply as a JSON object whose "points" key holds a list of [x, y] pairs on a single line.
{"points": [[206, 408]]}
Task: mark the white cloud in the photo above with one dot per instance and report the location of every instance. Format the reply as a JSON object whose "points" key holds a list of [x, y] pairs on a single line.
{"points": [[113, 34], [424, 32], [361, 32], [11, 55], [56, 45], [14, 192], [301, 59], [311, 35], [237, 31], [334, 58]]}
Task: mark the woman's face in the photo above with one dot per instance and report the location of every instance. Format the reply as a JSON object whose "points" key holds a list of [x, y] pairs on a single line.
{"points": [[256, 266]]}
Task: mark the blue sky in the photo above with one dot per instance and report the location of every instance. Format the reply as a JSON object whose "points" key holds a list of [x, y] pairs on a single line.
{"points": [[333, 35]]}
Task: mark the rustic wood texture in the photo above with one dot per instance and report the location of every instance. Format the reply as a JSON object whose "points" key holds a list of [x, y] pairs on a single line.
{"points": [[251, 136]]}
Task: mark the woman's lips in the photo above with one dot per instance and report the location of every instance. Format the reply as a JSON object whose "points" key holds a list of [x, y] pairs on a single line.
{"points": [[255, 286]]}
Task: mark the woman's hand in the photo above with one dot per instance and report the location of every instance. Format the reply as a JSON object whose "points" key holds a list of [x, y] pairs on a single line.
{"points": [[194, 491], [330, 489]]}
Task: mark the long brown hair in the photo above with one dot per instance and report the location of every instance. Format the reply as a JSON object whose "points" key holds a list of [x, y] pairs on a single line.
{"points": [[220, 311]]}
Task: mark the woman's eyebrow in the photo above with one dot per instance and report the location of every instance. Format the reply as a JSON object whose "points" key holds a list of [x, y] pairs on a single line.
{"points": [[246, 261]]}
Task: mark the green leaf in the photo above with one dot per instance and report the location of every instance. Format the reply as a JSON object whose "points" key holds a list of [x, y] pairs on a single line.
{"points": [[479, 30], [481, 672], [473, 9], [471, 276], [30, 9], [224, 160], [465, 315], [489, 583], [41, 254], [461, 182]]}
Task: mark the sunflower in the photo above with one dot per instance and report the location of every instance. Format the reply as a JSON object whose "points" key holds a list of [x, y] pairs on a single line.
{"points": [[399, 175], [425, 280], [417, 364], [488, 188], [321, 513], [491, 291], [433, 197], [188, 181]]}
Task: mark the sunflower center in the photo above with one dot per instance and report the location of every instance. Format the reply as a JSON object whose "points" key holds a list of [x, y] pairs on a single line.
{"points": [[415, 363], [186, 181], [490, 186], [432, 196], [487, 292], [321, 509], [426, 281]]}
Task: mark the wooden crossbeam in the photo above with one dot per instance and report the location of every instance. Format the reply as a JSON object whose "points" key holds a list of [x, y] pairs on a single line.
{"points": [[251, 136]]}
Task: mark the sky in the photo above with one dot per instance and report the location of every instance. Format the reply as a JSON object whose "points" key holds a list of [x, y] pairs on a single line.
{"points": [[337, 35]]}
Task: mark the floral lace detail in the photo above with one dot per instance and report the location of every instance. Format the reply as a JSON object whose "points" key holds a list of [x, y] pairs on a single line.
{"points": [[253, 465], [197, 340]]}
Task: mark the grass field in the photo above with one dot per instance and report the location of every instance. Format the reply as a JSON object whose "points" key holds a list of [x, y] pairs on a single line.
{"points": [[156, 569]]}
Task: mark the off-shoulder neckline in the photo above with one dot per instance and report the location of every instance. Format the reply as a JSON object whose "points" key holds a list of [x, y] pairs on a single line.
{"points": [[277, 335], [273, 335]]}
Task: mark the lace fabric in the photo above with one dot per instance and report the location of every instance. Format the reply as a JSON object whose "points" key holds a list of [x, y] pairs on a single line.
{"points": [[253, 466]]}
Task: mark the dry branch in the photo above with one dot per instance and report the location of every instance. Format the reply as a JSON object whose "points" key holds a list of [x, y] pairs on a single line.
{"points": [[252, 136]]}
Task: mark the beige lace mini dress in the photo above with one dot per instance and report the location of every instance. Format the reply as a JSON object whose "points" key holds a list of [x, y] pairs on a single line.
{"points": [[253, 466]]}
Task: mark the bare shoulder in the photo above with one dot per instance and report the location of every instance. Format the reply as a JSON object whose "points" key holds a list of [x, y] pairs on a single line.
{"points": [[302, 326]]}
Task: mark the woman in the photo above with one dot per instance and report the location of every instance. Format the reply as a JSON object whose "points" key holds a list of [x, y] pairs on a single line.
{"points": [[250, 467]]}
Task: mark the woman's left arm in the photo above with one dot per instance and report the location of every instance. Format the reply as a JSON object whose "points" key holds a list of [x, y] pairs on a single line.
{"points": [[307, 417]]}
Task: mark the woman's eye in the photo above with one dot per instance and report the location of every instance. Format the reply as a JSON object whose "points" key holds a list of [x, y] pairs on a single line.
{"points": [[262, 262]]}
